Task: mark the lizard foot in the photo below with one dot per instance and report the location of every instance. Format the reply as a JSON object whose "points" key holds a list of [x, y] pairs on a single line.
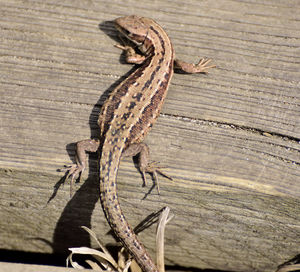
{"points": [[191, 68], [153, 168], [74, 171]]}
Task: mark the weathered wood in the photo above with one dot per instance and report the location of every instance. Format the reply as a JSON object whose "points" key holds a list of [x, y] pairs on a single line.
{"points": [[229, 139], [18, 267]]}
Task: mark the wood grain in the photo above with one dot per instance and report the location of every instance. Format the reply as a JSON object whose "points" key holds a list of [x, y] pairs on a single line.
{"points": [[230, 139]]}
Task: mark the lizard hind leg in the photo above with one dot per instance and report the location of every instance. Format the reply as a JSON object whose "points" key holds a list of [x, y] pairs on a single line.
{"points": [[144, 165], [76, 169]]}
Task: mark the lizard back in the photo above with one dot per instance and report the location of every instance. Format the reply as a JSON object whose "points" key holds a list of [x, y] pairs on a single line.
{"points": [[127, 116]]}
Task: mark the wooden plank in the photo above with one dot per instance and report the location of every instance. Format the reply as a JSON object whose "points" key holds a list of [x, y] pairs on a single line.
{"points": [[18, 267], [229, 139]]}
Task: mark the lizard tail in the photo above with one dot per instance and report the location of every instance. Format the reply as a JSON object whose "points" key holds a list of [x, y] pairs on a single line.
{"points": [[114, 215]]}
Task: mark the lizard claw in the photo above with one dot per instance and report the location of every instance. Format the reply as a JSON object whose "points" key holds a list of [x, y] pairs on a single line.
{"points": [[74, 171], [201, 66], [153, 168]]}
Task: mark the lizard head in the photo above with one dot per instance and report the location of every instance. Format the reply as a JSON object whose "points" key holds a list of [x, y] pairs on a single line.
{"points": [[136, 29], [133, 27]]}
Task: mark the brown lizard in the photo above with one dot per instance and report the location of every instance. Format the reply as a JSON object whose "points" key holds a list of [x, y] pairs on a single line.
{"points": [[127, 116]]}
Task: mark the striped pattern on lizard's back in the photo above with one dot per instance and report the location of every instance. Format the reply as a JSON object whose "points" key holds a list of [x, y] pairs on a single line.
{"points": [[127, 116]]}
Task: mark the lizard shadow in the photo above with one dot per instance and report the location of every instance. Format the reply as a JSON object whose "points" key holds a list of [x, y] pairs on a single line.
{"points": [[79, 209]]}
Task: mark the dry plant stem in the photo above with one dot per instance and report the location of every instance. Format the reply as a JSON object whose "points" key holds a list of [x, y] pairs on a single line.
{"points": [[160, 235], [289, 268], [99, 256], [93, 235], [104, 257]]}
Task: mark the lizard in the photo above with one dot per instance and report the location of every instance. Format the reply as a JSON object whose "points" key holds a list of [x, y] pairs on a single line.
{"points": [[126, 117]]}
